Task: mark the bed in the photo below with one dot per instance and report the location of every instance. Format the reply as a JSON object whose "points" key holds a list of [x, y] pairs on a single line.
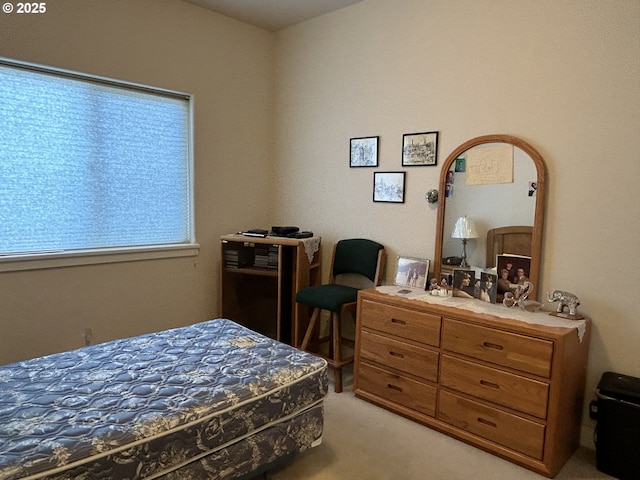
{"points": [[213, 400]]}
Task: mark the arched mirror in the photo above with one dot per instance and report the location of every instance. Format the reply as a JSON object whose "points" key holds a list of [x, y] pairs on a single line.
{"points": [[498, 183]]}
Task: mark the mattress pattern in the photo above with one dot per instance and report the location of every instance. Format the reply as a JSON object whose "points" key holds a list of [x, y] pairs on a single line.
{"points": [[148, 406]]}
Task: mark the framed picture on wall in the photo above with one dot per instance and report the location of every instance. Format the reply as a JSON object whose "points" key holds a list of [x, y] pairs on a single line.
{"points": [[419, 149], [412, 272], [388, 187], [363, 152]]}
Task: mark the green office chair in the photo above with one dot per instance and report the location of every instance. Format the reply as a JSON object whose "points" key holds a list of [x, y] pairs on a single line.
{"points": [[360, 258]]}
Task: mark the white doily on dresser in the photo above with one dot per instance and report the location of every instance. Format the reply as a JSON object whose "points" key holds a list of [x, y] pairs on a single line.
{"points": [[497, 310], [311, 246]]}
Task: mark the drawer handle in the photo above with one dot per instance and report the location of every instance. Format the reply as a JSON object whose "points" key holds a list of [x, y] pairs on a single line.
{"points": [[396, 354], [399, 322], [393, 387], [490, 384], [494, 346], [487, 422]]}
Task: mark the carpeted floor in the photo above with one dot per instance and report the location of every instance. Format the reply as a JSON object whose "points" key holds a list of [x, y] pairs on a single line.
{"points": [[365, 442]]}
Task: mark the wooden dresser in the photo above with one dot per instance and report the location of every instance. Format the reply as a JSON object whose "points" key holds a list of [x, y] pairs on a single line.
{"points": [[511, 386]]}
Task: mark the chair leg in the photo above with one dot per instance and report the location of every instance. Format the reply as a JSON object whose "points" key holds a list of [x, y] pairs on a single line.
{"points": [[335, 353], [310, 329], [337, 356]]}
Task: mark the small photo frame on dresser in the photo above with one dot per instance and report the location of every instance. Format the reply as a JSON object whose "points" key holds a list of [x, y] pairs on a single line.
{"points": [[511, 270], [446, 279], [412, 272], [488, 287], [464, 283]]}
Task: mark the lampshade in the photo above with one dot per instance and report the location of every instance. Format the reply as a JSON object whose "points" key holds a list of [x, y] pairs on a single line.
{"points": [[464, 228]]}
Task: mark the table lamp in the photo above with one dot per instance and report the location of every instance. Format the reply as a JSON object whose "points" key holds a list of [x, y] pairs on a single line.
{"points": [[464, 229]]}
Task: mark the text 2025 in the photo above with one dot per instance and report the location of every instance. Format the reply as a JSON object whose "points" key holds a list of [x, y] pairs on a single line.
{"points": [[32, 7]]}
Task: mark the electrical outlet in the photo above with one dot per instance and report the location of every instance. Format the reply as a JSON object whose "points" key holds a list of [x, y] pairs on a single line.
{"points": [[87, 336]]}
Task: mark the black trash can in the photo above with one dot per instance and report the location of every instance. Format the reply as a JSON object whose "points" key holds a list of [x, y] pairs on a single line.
{"points": [[618, 428]]}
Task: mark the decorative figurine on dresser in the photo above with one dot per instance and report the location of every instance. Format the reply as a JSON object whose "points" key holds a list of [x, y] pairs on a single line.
{"points": [[565, 299], [507, 380]]}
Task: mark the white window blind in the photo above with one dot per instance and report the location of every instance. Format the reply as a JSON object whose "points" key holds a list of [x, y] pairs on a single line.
{"points": [[89, 163]]}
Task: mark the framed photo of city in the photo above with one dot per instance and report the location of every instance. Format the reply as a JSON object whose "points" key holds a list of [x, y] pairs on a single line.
{"points": [[388, 187], [363, 152], [419, 149]]}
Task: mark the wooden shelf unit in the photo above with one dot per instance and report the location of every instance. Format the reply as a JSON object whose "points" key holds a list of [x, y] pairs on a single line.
{"points": [[262, 297]]}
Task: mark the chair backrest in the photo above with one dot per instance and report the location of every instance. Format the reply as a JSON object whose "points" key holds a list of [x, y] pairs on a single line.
{"points": [[515, 240], [360, 256]]}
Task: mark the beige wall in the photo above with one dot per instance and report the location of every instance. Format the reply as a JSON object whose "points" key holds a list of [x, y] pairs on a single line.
{"points": [[561, 75], [564, 76], [228, 67]]}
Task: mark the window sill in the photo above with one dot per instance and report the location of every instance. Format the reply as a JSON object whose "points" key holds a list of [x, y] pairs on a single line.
{"points": [[14, 263]]}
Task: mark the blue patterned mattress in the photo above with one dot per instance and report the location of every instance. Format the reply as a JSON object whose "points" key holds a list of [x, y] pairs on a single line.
{"points": [[212, 400]]}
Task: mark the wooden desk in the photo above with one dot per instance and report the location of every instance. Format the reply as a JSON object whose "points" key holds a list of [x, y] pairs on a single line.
{"points": [[259, 279]]}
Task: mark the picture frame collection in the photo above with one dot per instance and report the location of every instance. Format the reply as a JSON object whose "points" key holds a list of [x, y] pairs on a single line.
{"points": [[418, 150], [467, 285], [512, 270]]}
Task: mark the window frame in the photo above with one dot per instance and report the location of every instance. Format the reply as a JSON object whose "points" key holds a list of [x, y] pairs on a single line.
{"points": [[93, 256]]}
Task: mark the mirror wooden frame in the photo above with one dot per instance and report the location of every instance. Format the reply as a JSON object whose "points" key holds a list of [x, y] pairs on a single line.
{"points": [[538, 223]]}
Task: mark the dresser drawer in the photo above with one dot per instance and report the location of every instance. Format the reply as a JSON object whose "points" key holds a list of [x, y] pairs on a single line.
{"points": [[417, 361], [506, 389], [527, 354], [508, 430], [401, 322], [398, 389]]}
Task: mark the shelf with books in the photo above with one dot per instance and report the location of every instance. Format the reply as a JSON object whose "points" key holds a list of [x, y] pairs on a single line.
{"points": [[259, 279]]}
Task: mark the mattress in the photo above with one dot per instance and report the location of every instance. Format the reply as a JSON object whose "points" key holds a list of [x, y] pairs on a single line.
{"points": [[212, 400]]}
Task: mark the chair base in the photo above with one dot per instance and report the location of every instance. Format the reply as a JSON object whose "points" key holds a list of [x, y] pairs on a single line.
{"points": [[334, 358]]}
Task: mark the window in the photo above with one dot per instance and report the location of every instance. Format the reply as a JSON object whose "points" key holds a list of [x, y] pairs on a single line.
{"points": [[89, 165]]}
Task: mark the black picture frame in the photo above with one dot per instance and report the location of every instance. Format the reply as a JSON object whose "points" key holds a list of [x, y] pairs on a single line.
{"points": [[389, 187], [420, 149], [363, 152], [511, 264], [464, 283]]}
